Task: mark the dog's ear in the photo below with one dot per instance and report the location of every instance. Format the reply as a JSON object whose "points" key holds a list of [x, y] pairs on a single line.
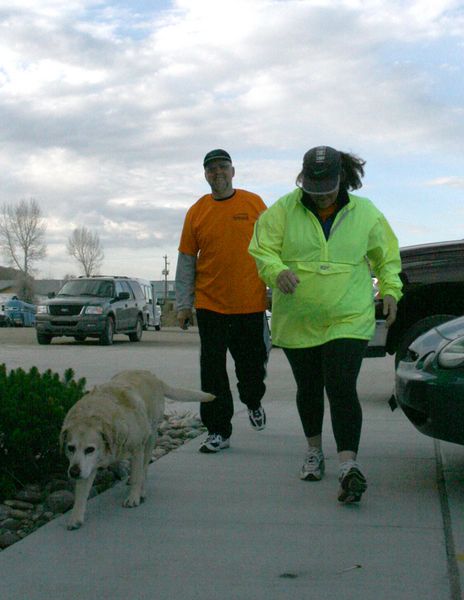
{"points": [[108, 438], [63, 438]]}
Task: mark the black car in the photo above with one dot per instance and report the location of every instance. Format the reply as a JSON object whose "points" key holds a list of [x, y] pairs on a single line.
{"points": [[433, 293], [430, 382], [96, 307]]}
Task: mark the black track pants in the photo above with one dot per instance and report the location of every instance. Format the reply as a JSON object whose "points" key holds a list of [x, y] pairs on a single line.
{"points": [[334, 366], [244, 336]]}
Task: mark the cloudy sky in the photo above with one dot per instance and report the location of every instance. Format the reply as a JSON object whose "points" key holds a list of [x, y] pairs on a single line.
{"points": [[108, 107]]}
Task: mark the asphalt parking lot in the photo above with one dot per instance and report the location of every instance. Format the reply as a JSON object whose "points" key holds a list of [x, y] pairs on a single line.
{"points": [[422, 520], [19, 348]]}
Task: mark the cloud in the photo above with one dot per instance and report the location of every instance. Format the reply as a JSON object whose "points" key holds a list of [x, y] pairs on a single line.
{"points": [[455, 182], [107, 108]]}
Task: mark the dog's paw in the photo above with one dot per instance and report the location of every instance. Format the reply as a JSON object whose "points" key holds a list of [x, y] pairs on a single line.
{"points": [[131, 501], [74, 524]]}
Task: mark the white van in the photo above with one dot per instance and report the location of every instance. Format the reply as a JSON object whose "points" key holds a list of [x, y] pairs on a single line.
{"points": [[152, 309]]}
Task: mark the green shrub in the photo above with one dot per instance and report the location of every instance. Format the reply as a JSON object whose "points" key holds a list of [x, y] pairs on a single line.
{"points": [[32, 408]]}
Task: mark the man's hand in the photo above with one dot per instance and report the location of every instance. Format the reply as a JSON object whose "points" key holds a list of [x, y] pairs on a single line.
{"points": [[184, 318], [389, 310], [287, 281]]}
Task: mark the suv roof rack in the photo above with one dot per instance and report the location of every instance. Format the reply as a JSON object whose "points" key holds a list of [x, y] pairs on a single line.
{"points": [[103, 277]]}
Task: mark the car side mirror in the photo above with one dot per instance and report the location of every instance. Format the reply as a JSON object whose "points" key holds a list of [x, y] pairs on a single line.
{"points": [[123, 296], [51, 295]]}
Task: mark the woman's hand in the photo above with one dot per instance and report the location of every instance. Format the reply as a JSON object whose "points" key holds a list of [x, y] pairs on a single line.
{"points": [[287, 281], [389, 310]]}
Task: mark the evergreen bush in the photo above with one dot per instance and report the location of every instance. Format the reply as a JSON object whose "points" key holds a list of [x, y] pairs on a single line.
{"points": [[32, 409]]}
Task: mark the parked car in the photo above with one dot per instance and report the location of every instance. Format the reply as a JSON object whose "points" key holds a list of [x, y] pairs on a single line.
{"points": [[433, 293], [152, 311], [430, 382], [96, 307], [19, 313], [5, 320], [268, 314]]}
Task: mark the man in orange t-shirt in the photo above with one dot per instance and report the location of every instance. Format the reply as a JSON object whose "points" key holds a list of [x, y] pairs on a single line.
{"points": [[215, 268]]}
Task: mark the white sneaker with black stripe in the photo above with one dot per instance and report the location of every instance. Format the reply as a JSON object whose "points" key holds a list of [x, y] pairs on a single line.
{"points": [[257, 418], [314, 466], [214, 443]]}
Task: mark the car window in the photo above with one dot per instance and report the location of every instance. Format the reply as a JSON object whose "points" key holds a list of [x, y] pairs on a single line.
{"points": [[148, 293], [126, 288], [106, 289], [84, 287], [119, 288], [137, 291]]}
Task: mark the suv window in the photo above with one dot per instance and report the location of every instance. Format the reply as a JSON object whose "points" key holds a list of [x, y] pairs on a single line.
{"points": [[127, 288], [119, 288], [87, 287], [137, 291], [106, 289]]}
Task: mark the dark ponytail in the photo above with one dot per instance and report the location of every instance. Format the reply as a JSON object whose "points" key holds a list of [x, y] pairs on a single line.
{"points": [[352, 171]]}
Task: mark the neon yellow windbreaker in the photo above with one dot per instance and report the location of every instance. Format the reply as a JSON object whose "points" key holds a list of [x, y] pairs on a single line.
{"points": [[334, 298]]}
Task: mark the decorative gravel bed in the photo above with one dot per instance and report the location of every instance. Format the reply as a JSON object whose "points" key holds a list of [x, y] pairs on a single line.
{"points": [[36, 505]]}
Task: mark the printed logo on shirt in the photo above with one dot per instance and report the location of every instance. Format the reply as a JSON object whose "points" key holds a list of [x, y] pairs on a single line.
{"points": [[241, 217]]}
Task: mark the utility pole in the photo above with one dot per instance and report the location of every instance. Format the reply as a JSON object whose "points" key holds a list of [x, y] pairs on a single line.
{"points": [[165, 272]]}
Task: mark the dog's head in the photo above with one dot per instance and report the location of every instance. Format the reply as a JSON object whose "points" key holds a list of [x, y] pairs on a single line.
{"points": [[87, 449]]}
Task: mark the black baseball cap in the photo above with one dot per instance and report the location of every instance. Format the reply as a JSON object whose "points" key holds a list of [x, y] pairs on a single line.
{"points": [[216, 155], [321, 170]]}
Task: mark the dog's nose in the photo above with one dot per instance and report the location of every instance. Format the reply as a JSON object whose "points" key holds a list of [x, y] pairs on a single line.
{"points": [[75, 472]]}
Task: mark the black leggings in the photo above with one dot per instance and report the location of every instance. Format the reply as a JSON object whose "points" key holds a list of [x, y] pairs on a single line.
{"points": [[243, 335], [334, 366]]}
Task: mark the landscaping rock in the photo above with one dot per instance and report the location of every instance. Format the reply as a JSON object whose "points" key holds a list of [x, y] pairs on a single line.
{"points": [[60, 501]]}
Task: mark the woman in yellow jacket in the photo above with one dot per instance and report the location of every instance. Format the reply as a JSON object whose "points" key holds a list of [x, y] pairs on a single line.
{"points": [[317, 248]]}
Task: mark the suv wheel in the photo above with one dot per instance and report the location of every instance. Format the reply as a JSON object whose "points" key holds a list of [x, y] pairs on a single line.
{"points": [[43, 338], [416, 330], [136, 335], [106, 338]]}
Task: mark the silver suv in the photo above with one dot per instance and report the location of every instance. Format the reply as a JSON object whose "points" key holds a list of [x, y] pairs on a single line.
{"points": [[96, 307]]}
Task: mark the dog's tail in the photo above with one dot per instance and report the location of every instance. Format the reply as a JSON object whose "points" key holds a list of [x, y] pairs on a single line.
{"points": [[184, 395]]}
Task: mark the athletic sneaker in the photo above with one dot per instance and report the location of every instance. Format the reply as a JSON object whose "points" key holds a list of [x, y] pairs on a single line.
{"points": [[314, 466], [257, 418], [352, 482], [214, 443]]}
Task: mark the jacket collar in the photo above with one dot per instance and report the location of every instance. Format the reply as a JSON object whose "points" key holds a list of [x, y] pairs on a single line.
{"points": [[342, 200]]}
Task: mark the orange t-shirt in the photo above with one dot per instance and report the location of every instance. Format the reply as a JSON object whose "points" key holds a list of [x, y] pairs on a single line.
{"points": [[326, 213], [218, 233]]}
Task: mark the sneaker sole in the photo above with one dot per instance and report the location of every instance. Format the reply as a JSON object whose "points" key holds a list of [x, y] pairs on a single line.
{"points": [[310, 477], [258, 428], [353, 486], [206, 450]]}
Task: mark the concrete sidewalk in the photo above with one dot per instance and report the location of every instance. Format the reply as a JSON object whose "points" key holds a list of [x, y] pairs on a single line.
{"points": [[240, 525]]}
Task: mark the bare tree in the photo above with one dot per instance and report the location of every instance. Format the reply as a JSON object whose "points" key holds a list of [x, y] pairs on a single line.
{"points": [[85, 247], [25, 288], [22, 240]]}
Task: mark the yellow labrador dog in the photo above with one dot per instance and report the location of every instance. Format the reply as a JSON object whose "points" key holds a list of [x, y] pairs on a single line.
{"points": [[117, 420]]}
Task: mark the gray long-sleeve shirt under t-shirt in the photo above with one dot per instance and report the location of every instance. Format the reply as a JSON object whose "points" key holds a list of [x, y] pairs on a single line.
{"points": [[185, 280]]}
